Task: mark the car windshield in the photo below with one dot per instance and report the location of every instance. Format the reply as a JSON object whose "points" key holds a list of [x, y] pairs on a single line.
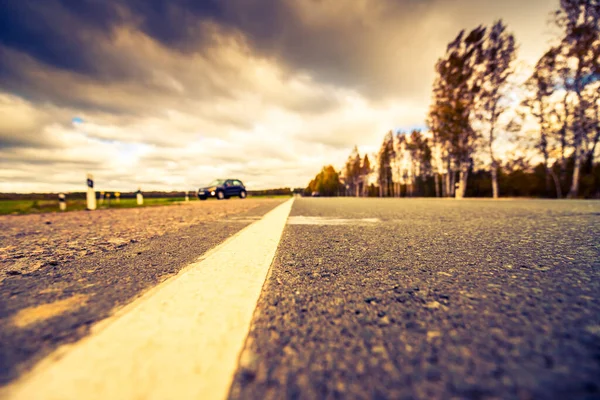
{"points": [[216, 182]]}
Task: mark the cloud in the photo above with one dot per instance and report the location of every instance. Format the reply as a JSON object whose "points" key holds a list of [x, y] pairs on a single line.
{"points": [[377, 47], [173, 93], [21, 122]]}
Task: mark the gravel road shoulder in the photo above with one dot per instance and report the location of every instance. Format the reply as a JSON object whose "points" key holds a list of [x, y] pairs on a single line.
{"points": [[89, 264]]}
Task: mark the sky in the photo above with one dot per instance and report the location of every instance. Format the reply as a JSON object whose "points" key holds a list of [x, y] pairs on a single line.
{"points": [[170, 94]]}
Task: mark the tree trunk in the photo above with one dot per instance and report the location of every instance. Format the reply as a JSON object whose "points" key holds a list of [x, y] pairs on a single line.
{"points": [[576, 172], [589, 161], [452, 186], [449, 179], [547, 173], [563, 173], [445, 185], [494, 164], [589, 156], [556, 184], [464, 174], [563, 144], [436, 180], [544, 149], [495, 192], [579, 148]]}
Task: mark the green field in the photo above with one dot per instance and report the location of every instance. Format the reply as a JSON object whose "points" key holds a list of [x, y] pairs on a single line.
{"points": [[43, 206]]}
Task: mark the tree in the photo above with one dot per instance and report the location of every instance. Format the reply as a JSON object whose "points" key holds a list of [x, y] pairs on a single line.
{"points": [[414, 150], [400, 174], [426, 160], [421, 157], [540, 87], [439, 156], [562, 115], [352, 172], [365, 171], [564, 94], [580, 46], [455, 90], [497, 58], [385, 157], [594, 123], [327, 182]]}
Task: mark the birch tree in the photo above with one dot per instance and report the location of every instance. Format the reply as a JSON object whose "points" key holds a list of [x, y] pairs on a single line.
{"points": [[540, 87], [580, 45], [498, 55], [455, 90], [385, 157]]}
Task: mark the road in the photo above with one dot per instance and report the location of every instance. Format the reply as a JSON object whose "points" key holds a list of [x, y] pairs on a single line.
{"points": [[386, 298], [368, 298]]}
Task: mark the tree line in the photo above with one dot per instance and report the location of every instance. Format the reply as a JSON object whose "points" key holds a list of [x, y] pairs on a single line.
{"points": [[555, 121]]}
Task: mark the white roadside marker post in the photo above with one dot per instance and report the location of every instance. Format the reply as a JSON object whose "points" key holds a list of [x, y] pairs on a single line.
{"points": [[91, 195], [62, 202], [458, 190], [139, 197]]}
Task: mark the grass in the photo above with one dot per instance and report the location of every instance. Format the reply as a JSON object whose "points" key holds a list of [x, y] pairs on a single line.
{"points": [[43, 206]]}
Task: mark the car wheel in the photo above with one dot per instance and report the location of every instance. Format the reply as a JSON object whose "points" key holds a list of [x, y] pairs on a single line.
{"points": [[220, 195], [202, 197], [243, 194]]}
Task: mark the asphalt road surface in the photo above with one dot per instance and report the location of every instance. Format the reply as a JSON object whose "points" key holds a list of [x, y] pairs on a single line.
{"points": [[401, 299], [366, 299]]}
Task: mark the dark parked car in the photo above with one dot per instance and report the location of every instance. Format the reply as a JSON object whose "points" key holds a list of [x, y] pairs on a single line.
{"points": [[223, 189]]}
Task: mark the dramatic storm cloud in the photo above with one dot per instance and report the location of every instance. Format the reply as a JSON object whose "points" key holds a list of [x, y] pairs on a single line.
{"points": [[168, 94]]}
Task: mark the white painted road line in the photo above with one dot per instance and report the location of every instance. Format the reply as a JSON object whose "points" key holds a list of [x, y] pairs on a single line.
{"points": [[181, 341], [302, 220]]}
